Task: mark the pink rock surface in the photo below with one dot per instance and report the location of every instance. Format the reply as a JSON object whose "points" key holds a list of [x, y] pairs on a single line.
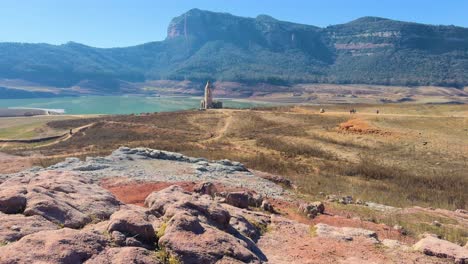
{"points": [[125, 255], [133, 221], [57, 246], [14, 227], [65, 198], [193, 242], [12, 199], [198, 229]]}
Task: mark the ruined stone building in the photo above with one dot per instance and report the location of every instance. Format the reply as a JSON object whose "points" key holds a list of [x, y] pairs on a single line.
{"points": [[208, 101]]}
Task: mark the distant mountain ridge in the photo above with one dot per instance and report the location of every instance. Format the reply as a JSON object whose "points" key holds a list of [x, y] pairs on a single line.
{"points": [[203, 45]]}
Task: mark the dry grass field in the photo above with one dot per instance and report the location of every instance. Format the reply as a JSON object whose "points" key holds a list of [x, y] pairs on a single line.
{"points": [[406, 155], [30, 127]]}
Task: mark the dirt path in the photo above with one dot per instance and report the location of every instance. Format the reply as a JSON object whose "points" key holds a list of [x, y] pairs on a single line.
{"points": [[345, 113], [67, 136], [220, 133]]}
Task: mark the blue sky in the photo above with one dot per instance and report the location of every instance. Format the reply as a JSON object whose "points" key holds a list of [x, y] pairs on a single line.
{"points": [[118, 23]]}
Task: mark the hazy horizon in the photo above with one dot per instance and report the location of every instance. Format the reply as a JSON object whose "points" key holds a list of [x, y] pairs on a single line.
{"points": [[121, 23]]}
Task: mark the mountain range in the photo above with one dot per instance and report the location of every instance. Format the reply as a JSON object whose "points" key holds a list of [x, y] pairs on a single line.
{"points": [[202, 45]]}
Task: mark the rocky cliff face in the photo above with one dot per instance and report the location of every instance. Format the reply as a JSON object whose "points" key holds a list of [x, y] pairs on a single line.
{"points": [[204, 45]]}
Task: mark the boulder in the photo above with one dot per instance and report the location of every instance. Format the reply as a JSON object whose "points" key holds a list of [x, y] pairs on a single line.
{"points": [[207, 188], [54, 210], [65, 198], [238, 199], [56, 246], [320, 207], [346, 200], [332, 198], [433, 246], [340, 199], [14, 227], [255, 200], [266, 206], [192, 242], [245, 227], [173, 200], [12, 199], [344, 233], [99, 227], [133, 222], [118, 238], [461, 211], [125, 255], [312, 209], [132, 242], [161, 200], [200, 230]]}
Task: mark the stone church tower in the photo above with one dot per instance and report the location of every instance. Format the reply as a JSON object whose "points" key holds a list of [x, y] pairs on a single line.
{"points": [[208, 101], [208, 95]]}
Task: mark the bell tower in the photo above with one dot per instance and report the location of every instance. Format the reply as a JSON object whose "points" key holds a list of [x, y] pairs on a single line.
{"points": [[208, 95]]}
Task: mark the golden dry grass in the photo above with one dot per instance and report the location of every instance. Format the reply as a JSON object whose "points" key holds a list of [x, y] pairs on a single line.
{"points": [[407, 155]]}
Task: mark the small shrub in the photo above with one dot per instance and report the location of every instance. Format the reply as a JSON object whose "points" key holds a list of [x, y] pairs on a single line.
{"points": [[161, 230], [166, 258], [292, 149]]}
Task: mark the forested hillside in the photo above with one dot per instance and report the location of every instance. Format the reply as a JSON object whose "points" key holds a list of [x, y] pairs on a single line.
{"points": [[204, 45]]}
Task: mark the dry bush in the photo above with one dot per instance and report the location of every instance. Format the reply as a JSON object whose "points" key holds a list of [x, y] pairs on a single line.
{"points": [[291, 149], [370, 169], [275, 165], [331, 140], [431, 187], [46, 162]]}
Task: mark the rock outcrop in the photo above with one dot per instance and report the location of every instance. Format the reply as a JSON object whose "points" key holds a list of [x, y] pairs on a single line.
{"points": [[311, 210], [345, 233], [133, 222], [125, 255], [190, 216], [434, 246], [15, 226], [58, 246], [63, 215]]}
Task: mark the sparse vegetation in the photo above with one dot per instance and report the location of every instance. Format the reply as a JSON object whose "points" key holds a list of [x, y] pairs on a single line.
{"points": [[414, 223], [165, 257], [161, 230], [292, 149], [393, 168], [313, 231], [262, 227]]}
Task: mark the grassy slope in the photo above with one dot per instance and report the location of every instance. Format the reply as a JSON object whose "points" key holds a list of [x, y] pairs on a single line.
{"points": [[407, 155], [29, 127], [401, 160]]}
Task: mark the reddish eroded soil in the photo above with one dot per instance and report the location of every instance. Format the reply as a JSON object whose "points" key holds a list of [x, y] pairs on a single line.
{"points": [[133, 192], [290, 237], [286, 242], [360, 126], [136, 192], [12, 164], [339, 219]]}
